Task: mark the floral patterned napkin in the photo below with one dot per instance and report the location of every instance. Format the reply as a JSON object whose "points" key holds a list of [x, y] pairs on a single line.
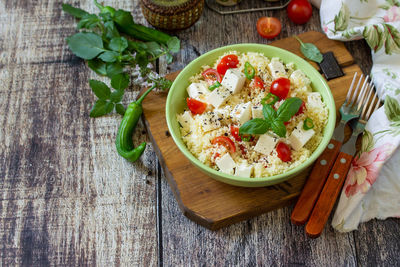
{"points": [[372, 186]]}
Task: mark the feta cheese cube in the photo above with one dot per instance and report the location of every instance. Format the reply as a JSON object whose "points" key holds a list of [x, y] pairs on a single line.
{"points": [[197, 90], [226, 164], [242, 112], [185, 119], [223, 114], [276, 68], [234, 80], [257, 111], [218, 96], [243, 170], [265, 144], [314, 100], [299, 137], [299, 79], [210, 121]]}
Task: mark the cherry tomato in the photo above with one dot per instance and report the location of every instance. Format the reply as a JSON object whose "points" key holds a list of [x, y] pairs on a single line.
{"points": [[268, 27], [196, 106], [211, 76], [280, 87], [301, 109], [235, 133], [299, 11], [226, 142], [284, 152], [258, 83], [227, 62]]}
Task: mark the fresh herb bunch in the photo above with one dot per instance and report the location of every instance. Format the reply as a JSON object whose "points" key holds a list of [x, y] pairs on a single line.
{"points": [[110, 54], [310, 51], [273, 120]]}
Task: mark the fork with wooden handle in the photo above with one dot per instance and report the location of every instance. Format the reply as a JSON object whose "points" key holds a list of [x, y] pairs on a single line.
{"points": [[309, 195], [334, 183]]}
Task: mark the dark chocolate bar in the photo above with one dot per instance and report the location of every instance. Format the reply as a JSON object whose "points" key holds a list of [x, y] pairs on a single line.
{"points": [[330, 66]]}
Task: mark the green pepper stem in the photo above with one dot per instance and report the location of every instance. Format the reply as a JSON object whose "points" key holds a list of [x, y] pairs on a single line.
{"points": [[300, 41], [140, 100]]}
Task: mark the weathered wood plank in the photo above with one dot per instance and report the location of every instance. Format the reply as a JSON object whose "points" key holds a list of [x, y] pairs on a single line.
{"points": [[66, 197]]}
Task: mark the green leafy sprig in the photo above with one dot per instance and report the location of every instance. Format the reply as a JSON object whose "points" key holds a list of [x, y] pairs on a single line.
{"points": [[273, 120], [310, 51], [109, 53]]}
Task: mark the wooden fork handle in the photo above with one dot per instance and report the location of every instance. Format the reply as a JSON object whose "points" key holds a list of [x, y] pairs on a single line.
{"points": [[329, 194], [315, 183]]}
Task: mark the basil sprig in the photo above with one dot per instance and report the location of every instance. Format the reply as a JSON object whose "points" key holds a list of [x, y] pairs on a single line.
{"points": [[273, 120], [310, 51]]}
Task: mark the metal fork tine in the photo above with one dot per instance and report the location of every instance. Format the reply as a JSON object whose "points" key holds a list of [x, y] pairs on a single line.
{"points": [[371, 109], [366, 103], [351, 88], [353, 98], [360, 97]]}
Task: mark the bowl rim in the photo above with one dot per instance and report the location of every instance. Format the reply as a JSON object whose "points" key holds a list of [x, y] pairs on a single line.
{"points": [[256, 181]]}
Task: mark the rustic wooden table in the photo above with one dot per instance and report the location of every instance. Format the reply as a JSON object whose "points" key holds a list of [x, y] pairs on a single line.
{"points": [[67, 198]]}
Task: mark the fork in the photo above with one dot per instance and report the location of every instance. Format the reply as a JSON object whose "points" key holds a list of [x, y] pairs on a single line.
{"points": [[334, 183], [350, 109]]}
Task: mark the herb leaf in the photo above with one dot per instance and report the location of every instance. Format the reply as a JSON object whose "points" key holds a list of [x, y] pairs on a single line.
{"points": [[118, 44], [116, 96], [100, 89], [98, 66], [111, 30], [85, 45], [89, 21], [109, 56], [269, 113], [74, 11], [153, 48], [114, 69], [310, 51], [120, 109], [174, 45], [120, 81], [101, 107], [278, 127], [288, 108], [254, 126]]}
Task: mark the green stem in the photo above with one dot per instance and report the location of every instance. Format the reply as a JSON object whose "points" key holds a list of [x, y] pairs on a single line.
{"points": [[139, 101], [298, 39]]}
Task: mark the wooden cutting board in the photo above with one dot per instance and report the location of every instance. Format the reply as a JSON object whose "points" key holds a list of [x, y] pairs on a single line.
{"points": [[214, 204]]}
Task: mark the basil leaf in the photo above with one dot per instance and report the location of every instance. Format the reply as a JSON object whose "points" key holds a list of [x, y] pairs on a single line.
{"points": [[278, 127], [288, 108], [85, 45], [116, 96], [89, 21], [111, 30], [120, 81], [101, 108], [169, 58], [141, 59], [109, 56], [74, 11], [174, 45], [114, 69], [254, 126], [120, 109], [269, 113], [311, 52], [98, 66], [153, 48], [100, 89], [118, 44], [392, 109], [136, 46]]}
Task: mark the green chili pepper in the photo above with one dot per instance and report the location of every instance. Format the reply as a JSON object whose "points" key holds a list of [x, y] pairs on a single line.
{"points": [[270, 99], [249, 71], [308, 124], [215, 85], [128, 124]]}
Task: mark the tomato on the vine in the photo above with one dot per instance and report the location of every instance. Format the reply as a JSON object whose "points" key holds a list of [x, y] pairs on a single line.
{"points": [[280, 87], [226, 142], [284, 152], [196, 106], [268, 27], [211, 76], [299, 11], [227, 62]]}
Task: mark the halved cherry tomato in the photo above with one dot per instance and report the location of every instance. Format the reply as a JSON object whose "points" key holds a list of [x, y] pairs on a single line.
{"points": [[280, 87], [227, 62], [268, 27], [211, 76], [235, 133], [301, 109], [196, 106], [299, 11], [258, 83], [284, 152], [226, 142]]}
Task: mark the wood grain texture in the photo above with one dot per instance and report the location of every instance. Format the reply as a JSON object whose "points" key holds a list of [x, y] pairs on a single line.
{"points": [[67, 199]]}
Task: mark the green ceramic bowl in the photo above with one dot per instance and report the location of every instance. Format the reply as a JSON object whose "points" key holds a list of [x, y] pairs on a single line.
{"points": [[176, 103]]}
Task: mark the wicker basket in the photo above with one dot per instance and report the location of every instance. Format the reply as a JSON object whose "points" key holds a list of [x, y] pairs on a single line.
{"points": [[172, 14]]}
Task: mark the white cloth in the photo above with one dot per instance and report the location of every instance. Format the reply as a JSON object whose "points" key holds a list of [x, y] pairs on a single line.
{"points": [[372, 187]]}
